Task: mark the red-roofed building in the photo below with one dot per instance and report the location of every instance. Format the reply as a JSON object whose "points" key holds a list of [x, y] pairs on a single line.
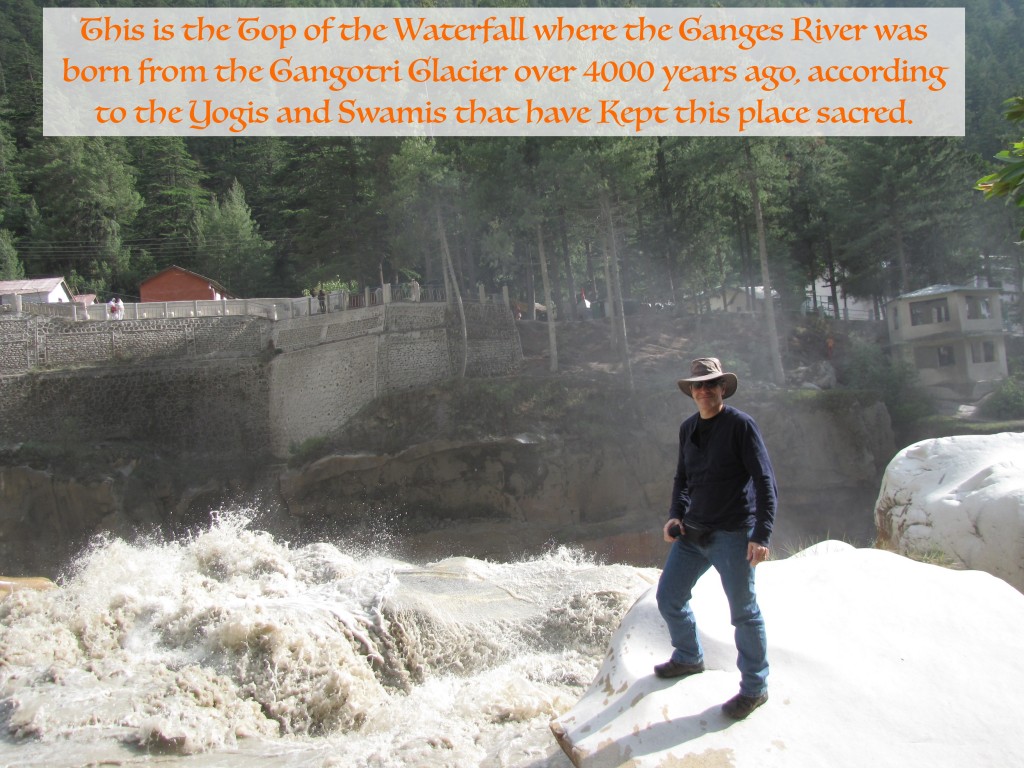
{"points": [[177, 284]]}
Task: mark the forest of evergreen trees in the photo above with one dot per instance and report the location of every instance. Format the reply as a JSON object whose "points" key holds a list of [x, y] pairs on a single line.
{"points": [[274, 216]]}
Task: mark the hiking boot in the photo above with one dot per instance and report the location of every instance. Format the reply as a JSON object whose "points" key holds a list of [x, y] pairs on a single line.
{"points": [[739, 706], [677, 669]]}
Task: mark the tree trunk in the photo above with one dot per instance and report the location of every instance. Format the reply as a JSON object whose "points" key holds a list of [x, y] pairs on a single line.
{"points": [[555, 280], [833, 279], [762, 249], [552, 340], [523, 249], [446, 257], [627, 367], [567, 267], [668, 240], [591, 279], [609, 294], [901, 258], [618, 324]]}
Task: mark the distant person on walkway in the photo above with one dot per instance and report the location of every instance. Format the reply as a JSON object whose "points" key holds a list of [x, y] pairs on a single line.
{"points": [[322, 298], [723, 508], [116, 308], [583, 306], [414, 290]]}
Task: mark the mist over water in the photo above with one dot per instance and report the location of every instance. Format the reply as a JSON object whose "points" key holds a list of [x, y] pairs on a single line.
{"points": [[230, 647]]}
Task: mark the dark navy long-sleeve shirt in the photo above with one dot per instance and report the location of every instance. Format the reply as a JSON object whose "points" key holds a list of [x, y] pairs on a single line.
{"points": [[724, 479]]}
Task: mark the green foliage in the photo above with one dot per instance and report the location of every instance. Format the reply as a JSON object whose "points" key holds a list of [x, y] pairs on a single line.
{"points": [[1007, 402], [1008, 181], [85, 192], [940, 425], [308, 450], [232, 248], [870, 214], [167, 228], [10, 267], [867, 367], [36, 453], [909, 219], [336, 285]]}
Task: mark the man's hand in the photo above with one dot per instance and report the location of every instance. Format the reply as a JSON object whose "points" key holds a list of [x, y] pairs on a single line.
{"points": [[756, 553], [673, 522]]}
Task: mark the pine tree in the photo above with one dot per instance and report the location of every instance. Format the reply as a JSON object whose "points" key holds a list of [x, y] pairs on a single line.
{"points": [[84, 189], [231, 249], [10, 267], [167, 227]]}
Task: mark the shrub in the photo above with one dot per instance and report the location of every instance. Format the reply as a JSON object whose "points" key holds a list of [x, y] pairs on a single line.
{"points": [[1007, 402], [307, 450], [868, 367]]}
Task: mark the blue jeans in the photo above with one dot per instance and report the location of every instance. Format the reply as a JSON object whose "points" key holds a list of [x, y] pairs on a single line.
{"points": [[687, 562]]}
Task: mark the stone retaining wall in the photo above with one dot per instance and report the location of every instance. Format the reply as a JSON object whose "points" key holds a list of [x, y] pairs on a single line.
{"points": [[32, 341], [335, 365], [198, 406], [171, 380]]}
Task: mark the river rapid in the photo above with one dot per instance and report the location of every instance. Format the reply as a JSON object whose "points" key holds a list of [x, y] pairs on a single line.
{"points": [[230, 647]]}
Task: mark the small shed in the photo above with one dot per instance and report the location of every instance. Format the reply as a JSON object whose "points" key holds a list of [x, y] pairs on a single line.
{"points": [[42, 290], [178, 284]]}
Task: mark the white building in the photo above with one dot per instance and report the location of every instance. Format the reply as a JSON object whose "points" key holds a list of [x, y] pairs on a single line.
{"points": [[953, 336], [819, 296], [43, 290]]}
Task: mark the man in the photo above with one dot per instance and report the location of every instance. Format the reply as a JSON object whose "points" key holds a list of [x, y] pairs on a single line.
{"points": [[722, 512]]}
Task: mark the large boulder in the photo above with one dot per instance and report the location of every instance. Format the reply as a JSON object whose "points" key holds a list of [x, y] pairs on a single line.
{"points": [[958, 499], [876, 659]]}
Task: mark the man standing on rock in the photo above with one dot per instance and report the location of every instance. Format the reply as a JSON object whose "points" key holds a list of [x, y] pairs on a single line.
{"points": [[723, 508]]}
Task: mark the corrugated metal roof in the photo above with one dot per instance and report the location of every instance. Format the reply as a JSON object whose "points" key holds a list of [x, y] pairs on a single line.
{"points": [[935, 290], [38, 285]]}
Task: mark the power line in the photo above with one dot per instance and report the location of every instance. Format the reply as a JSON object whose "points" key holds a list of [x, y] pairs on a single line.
{"points": [[76, 250]]}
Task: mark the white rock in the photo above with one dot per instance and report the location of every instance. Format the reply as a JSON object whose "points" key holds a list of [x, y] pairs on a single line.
{"points": [[876, 660], [959, 498]]}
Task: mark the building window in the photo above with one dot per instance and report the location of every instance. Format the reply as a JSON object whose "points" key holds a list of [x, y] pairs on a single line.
{"points": [[945, 355], [978, 308], [928, 312], [983, 352]]}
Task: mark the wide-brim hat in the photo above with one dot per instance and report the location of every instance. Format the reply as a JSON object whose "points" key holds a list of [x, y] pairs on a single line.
{"points": [[706, 368]]}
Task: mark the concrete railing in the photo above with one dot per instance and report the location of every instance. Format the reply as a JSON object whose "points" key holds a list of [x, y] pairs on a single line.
{"points": [[270, 308]]}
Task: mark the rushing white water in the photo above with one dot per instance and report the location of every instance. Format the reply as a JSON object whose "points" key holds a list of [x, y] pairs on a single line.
{"points": [[232, 648]]}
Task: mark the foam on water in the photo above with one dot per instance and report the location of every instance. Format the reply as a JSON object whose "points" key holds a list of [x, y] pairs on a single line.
{"points": [[233, 646]]}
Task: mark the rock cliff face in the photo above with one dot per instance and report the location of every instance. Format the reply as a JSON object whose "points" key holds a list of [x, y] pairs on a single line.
{"points": [[828, 459], [487, 468], [595, 475], [42, 514]]}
